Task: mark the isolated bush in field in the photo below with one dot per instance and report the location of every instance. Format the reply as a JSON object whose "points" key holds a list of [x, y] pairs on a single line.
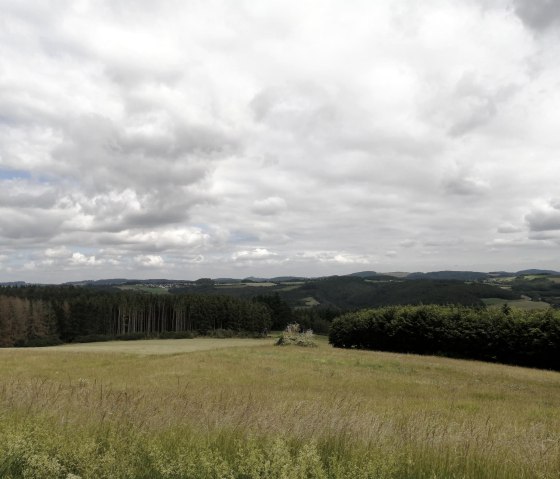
{"points": [[295, 336]]}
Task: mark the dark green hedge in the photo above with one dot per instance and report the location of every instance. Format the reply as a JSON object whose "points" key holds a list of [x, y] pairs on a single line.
{"points": [[527, 338]]}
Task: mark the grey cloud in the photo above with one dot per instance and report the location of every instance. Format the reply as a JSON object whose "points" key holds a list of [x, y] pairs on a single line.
{"points": [[34, 223], [509, 228], [538, 14], [269, 206], [470, 103], [475, 105], [336, 119], [408, 243], [544, 219], [465, 186], [112, 156], [549, 235], [27, 194]]}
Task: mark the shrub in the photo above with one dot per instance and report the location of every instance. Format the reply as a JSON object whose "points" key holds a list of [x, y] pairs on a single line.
{"points": [[293, 335], [177, 335]]}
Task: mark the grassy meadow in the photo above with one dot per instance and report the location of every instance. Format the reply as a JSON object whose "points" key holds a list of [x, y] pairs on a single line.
{"points": [[525, 304], [260, 410]]}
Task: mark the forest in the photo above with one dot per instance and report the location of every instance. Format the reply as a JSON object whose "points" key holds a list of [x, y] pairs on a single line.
{"points": [[44, 315], [507, 335], [39, 316]]}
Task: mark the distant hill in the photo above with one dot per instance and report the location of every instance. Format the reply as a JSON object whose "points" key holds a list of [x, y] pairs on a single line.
{"points": [[451, 275], [363, 274], [536, 271], [254, 279], [348, 292], [397, 274], [14, 283], [283, 279], [98, 282]]}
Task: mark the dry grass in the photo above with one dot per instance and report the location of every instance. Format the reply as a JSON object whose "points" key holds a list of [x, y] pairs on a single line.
{"points": [[151, 346], [406, 416]]}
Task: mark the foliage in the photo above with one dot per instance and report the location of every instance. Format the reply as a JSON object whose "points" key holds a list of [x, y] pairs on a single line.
{"points": [[280, 311], [294, 336], [50, 315], [353, 292], [529, 338]]}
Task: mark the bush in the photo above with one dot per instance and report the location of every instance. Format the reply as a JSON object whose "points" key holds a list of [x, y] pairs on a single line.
{"points": [[38, 342], [220, 333], [293, 335], [525, 338], [131, 336], [93, 338], [177, 335]]}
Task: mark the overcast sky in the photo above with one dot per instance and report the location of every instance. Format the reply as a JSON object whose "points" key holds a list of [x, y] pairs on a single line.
{"points": [[187, 139]]}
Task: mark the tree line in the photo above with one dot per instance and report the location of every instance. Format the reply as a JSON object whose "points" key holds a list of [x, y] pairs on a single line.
{"points": [[511, 336], [49, 315]]}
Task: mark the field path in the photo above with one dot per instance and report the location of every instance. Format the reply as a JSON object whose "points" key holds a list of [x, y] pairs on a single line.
{"points": [[146, 347]]}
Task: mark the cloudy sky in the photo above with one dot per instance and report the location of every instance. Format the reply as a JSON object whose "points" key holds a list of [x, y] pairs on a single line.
{"points": [[186, 139]]}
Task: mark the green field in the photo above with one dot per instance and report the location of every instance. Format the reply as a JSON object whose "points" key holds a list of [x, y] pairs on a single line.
{"points": [[310, 301], [153, 346], [525, 304], [245, 285], [140, 288], [271, 412]]}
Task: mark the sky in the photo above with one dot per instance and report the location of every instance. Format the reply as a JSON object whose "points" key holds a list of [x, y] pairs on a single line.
{"points": [[210, 138]]}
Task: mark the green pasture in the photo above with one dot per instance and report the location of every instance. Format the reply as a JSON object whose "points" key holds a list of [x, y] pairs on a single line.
{"points": [[525, 304], [261, 411], [148, 347], [245, 285]]}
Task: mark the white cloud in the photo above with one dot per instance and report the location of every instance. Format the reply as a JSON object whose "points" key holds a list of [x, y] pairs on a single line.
{"points": [[80, 259], [150, 260], [257, 254], [57, 252]]}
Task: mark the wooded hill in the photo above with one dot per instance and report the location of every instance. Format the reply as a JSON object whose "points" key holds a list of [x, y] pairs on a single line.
{"points": [[38, 315], [354, 292]]}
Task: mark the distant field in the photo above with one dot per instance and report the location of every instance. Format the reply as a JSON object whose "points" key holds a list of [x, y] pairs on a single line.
{"points": [[274, 412], [506, 279], [155, 346], [290, 287], [144, 289], [310, 301], [244, 285], [525, 304], [530, 277]]}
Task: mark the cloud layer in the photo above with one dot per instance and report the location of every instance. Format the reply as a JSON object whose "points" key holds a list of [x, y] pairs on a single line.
{"points": [[189, 139]]}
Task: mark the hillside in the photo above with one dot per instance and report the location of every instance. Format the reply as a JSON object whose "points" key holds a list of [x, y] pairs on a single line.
{"points": [[267, 411]]}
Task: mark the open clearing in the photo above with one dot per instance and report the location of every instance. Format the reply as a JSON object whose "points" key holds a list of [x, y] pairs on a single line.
{"points": [[525, 304], [272, 412], [144, 289], [153, 346], [245, 285]]}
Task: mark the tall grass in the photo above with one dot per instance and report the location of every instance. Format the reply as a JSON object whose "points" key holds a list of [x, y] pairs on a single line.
{"points": [[274, 413]]}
